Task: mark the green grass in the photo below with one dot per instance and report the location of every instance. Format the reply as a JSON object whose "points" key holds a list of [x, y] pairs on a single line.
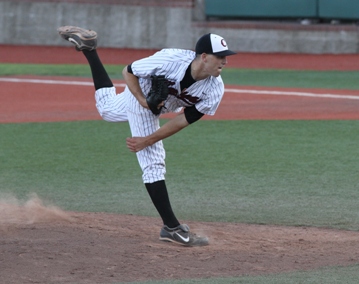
{"points": [[334, 275], [292, 78], [263, 172], [255, 77], [78, 70]]}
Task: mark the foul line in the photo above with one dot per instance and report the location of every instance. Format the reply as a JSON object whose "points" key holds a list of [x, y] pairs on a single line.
{"points": [[241, 91]]}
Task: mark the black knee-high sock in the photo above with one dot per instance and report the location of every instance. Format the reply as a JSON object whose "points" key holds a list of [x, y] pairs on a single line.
{"points": [[159, 195], [99, 74]]}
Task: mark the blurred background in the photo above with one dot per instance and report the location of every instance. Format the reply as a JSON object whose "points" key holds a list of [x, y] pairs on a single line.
{"points": [[290, 26]]}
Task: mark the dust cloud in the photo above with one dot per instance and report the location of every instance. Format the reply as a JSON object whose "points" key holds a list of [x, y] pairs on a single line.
{"points": [[33, 210]]}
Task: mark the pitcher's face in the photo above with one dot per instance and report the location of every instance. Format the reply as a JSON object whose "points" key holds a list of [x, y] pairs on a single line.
{"points": [[214, 64]]}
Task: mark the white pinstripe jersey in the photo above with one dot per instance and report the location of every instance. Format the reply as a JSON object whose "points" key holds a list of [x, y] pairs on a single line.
{"points": [[204, 94]]}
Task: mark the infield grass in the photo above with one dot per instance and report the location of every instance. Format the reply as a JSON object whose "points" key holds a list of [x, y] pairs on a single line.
{"points": [[333, 275], [263, 172]]}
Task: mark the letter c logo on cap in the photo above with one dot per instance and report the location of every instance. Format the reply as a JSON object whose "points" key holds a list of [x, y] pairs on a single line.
{"points": [[223, 42]]}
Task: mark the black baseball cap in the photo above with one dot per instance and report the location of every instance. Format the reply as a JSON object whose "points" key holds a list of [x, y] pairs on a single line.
{"points": [[213, 44]]}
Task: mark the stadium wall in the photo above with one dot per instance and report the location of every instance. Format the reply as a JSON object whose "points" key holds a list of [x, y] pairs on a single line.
{"points": [[155, 24]]}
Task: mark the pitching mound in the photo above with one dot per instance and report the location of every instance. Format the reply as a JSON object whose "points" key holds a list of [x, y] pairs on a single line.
{"points": [[41, 244]]}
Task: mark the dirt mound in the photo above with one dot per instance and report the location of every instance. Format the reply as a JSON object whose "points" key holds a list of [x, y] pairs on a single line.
{"points": [[43, 244]]}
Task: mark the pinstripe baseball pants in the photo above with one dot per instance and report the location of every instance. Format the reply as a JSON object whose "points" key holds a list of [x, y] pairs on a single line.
{"points": [[116, 108]]}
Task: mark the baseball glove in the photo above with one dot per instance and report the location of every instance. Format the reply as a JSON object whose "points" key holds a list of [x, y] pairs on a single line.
{"points": [[157, 94]]}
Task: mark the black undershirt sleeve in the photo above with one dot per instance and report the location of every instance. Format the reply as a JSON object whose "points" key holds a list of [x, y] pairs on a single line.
{"points": [[192, 114], [129, 69]]}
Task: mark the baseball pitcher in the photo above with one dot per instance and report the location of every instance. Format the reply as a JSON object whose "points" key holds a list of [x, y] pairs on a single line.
{"points": [[171, 80]]}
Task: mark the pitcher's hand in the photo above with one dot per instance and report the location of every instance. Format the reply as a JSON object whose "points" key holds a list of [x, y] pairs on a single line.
{"points": [[135, 144]]}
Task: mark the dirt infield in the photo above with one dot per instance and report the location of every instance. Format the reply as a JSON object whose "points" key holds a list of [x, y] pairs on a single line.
{"points": [[46, 245], [41, 244]]}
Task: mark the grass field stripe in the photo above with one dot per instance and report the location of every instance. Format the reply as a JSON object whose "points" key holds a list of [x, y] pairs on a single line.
{"points": [[38, 81], [53, 82], [287, 93], [245, 91]]}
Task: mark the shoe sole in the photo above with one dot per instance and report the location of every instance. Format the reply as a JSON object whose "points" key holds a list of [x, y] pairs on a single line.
{"points": [[182, 244], [173, 241], [83, 34], [82, 38]]}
